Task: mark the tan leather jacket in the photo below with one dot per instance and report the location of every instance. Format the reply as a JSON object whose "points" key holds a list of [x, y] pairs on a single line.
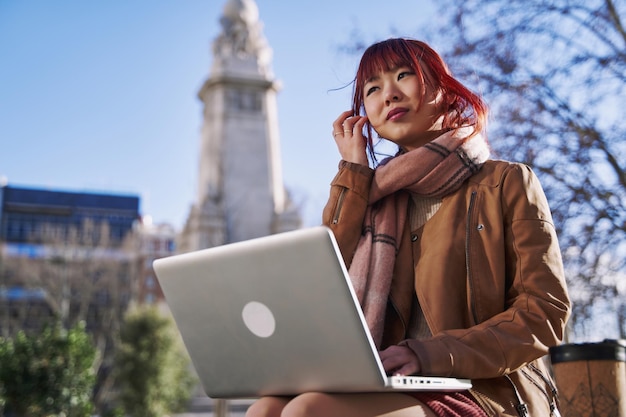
{"points": [[488, 274]]}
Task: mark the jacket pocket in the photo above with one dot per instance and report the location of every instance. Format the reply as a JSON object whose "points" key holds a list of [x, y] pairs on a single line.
{"points": [[336, 214]]}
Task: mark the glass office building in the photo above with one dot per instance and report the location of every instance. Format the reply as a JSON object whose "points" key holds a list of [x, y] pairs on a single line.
{"points": [[26, 212], [62, 253]]}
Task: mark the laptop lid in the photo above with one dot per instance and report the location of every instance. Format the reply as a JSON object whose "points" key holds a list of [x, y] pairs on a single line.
{"points": [[275, 315]]}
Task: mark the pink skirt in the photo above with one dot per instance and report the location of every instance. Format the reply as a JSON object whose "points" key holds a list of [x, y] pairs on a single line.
{"points": [[451, 404]]}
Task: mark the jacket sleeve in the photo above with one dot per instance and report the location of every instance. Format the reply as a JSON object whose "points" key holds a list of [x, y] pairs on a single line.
{"points": [[536, 303], [346, 206]]}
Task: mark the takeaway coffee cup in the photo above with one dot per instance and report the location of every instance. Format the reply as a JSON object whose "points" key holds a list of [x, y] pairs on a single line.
{"points": [[591, 378]]}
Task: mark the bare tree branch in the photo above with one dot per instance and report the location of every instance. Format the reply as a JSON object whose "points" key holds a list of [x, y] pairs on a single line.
{"points": [[555, 76]]}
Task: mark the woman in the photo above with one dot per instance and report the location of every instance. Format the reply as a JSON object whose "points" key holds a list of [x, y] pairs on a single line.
{"points": [[453, 256]]}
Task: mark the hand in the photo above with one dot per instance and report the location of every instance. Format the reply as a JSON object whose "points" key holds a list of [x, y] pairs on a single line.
{"points": [[399, 360], [348, 135]]}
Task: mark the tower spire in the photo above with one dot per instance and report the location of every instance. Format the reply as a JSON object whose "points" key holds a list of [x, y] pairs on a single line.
{"points": [[241, 41], [240, 191]]}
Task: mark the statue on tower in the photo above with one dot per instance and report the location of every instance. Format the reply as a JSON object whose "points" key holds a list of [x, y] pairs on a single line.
{"points": [[242, 35]]}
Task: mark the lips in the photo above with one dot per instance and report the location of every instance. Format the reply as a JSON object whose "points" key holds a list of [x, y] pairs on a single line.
{"points": [[396, 113]]}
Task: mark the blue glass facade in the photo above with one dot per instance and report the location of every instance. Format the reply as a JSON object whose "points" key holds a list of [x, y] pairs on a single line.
{"points": [[24, 211]]}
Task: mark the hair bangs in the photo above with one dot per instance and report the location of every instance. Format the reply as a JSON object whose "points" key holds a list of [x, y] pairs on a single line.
{"points": [[385, 56]]}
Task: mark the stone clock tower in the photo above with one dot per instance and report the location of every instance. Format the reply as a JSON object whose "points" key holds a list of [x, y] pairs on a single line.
{"points": [[240, 190]]}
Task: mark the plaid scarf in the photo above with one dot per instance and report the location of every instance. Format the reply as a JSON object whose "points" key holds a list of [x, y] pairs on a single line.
{"points": [[433, 170]]}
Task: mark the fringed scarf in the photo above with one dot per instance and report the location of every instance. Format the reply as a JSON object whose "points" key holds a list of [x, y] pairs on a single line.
{"points": [[433, 170]]}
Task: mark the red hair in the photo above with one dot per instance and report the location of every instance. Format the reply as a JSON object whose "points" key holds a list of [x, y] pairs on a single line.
{"points": [[461, 107]]}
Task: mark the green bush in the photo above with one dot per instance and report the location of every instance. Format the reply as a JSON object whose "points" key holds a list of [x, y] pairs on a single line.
{"points": [[153, 373], [47, 374]]}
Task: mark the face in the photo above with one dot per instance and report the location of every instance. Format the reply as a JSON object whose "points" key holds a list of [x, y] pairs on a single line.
{"points": [[399, 110]]}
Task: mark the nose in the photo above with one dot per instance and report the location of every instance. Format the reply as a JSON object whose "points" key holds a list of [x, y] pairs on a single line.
{"points": [[392, 95]]}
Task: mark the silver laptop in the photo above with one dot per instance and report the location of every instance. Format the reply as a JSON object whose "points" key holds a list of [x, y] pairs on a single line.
{"points": [[277, 315]]}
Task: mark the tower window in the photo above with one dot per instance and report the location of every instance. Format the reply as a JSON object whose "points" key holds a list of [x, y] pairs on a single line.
{"points": [[243, 100]]}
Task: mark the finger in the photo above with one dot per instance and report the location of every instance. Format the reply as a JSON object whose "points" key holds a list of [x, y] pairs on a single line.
{"points": [[399, 360], [338, 123], [400, 366], [342, 117], [354, 125], [358, 126], [409, 368], [349, 123], [392, 363]]}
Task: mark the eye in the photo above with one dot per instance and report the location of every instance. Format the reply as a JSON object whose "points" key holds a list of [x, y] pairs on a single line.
{"points": [[370, 90], [403, 74]]}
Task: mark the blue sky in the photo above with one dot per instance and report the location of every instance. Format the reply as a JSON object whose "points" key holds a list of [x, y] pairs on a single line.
{"points": [[101, 95]]}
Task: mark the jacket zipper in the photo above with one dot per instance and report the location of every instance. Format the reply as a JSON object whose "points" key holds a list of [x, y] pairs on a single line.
{"points": [[468, 231], [545, 379], [342, 195], [552, 399], [521, 407]]}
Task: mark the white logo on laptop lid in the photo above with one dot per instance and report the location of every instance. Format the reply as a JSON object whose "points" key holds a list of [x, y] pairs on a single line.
{"points": [[259, 319]]}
